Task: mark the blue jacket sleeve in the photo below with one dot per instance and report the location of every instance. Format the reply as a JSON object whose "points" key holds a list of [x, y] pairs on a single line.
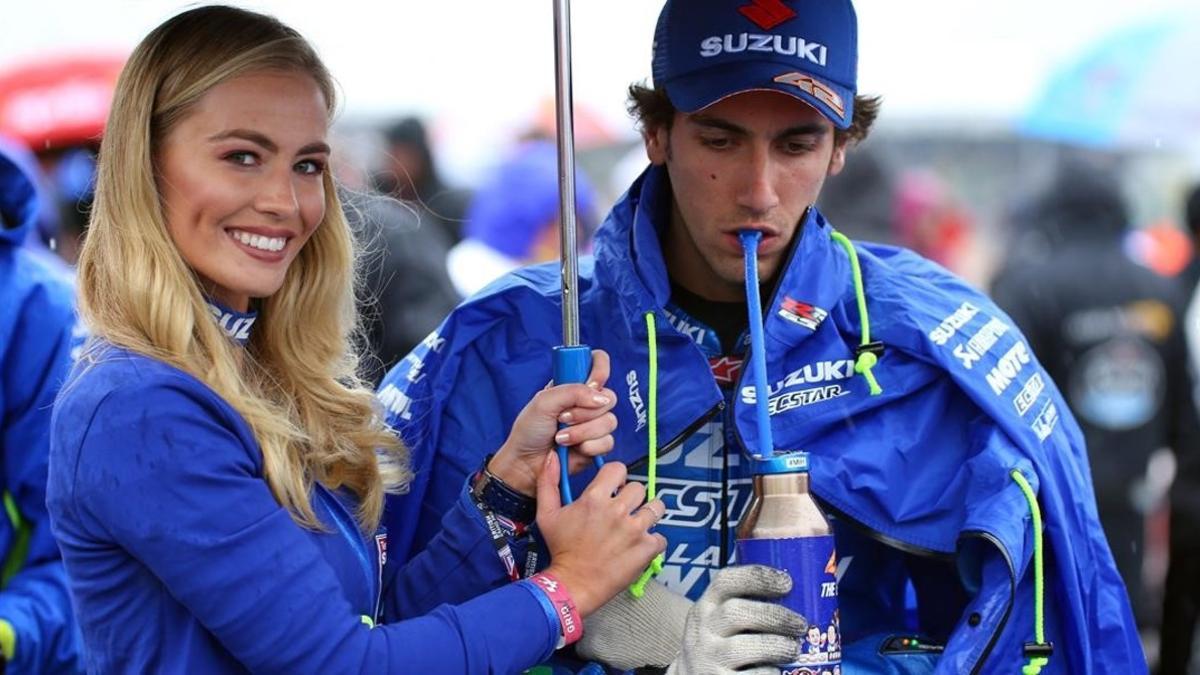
{"points": [[34, 599], [459, 563], [183, 494]]}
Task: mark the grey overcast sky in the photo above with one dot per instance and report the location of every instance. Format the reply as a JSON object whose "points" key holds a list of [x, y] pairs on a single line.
{"points": [[481, 66]]}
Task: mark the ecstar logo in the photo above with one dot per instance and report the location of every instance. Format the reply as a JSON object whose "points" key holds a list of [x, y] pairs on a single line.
{"points": [[796, 399], [767, 14]]}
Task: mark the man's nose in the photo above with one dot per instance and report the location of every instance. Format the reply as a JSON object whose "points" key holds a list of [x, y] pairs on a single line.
{"points": [[757, 191]]}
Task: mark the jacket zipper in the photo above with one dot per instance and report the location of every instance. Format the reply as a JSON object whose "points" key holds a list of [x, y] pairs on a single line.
{"points": [[1012, 592], [347, 527]]}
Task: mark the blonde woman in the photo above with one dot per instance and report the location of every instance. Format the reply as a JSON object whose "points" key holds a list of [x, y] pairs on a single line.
{"points": [[217, 472]]}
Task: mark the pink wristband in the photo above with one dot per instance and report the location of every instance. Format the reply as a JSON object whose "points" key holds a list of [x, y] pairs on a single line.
{"points": [[564, 606]]}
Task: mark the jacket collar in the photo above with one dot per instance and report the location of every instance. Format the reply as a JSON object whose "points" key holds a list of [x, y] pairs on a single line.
{"points": [[236, 325]]}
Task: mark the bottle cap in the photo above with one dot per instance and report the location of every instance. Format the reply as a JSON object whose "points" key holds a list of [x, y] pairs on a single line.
{"points": [[780, 462]]}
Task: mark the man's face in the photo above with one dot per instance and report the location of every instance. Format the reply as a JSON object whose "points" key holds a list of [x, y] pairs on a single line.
{"points": [[756, 161]]}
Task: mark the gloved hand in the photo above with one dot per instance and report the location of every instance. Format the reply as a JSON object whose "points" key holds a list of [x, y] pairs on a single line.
{"points": [[731, 627], [628, 632]]}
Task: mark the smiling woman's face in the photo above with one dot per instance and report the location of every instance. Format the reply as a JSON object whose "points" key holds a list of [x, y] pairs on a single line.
{"points": [[241, 180]]}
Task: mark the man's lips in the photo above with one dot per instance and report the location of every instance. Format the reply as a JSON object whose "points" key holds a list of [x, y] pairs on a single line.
{"points": [[769, 243]]}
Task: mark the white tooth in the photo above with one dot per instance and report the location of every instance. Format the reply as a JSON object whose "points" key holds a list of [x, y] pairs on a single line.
{"points": [[278, 244]]}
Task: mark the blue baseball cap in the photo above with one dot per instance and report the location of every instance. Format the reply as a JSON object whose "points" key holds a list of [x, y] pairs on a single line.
{"points": [[708, 50]]}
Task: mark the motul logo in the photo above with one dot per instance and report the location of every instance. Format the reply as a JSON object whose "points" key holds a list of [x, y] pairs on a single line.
{"points": [[767, 14]]}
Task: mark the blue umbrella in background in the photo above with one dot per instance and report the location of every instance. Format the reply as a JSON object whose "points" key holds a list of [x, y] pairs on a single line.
{"points": [[1138, 87]]}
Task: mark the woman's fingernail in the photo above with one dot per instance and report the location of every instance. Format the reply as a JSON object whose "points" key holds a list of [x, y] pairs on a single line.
{"points": [[562, 437], [594, 384], [600, 400], [565, 417]]}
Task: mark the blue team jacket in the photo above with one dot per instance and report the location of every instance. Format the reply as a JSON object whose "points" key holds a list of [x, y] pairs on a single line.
{"points": [[926, 468], [181, 561], [37, 332]]}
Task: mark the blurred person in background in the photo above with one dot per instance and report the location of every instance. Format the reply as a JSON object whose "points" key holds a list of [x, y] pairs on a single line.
{"points": [[406, 290], [411, 175], [929, 220], [38, 332], [1181, 602], [514, 216], [56, 104], [1109, 332], [861, 198]]}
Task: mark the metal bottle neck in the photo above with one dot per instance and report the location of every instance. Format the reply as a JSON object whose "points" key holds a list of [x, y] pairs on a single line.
{"points": [[783, 483]]}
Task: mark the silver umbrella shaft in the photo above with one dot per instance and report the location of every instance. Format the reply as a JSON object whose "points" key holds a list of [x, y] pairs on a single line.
{"points": [[566, 170]]}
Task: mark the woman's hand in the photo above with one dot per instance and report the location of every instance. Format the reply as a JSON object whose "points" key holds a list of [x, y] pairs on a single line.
{"points": [[586, 408], [600, 543]]}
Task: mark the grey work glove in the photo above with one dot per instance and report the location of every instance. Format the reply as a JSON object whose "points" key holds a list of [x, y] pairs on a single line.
{"points": [[731, 627], [629, 632]]}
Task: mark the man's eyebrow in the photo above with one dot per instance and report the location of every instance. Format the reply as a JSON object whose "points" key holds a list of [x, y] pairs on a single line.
{"points": [[810, 129], [318, 147], [717, 123], [807, 129]]}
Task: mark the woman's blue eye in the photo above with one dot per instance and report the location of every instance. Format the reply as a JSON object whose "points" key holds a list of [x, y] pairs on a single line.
{"points": [[242, 158], [311, 167]]}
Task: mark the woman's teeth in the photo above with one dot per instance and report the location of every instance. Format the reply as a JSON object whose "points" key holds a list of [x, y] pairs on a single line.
{"points": [[258, 241]]}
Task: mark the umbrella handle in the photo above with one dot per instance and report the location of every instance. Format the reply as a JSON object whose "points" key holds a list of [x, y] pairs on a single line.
{"points": [[571, 365]]}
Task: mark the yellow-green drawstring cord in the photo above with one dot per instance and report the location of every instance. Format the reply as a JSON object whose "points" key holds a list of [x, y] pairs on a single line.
{"points": [[867, 353], [639, 587], [1040, 651]]}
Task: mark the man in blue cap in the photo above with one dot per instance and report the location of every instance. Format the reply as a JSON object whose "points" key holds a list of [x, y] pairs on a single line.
{"points": [[957, 482]]}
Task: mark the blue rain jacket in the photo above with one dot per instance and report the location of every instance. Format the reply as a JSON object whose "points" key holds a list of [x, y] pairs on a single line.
{"points": [[918, 476], [181, 560], [37, 334]]}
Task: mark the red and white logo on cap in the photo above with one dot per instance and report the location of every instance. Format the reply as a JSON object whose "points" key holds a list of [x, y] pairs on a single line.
{"points": [[767, 14]]}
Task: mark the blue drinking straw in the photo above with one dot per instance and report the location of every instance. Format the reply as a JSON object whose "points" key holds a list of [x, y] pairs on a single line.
{"points": [[758, 351]]}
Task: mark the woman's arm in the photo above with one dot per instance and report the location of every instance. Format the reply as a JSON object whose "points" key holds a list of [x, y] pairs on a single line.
{"points": [[168, 473]]}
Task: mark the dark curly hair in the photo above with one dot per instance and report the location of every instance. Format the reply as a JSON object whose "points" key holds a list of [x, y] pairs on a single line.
{"points": [[652, 109]]}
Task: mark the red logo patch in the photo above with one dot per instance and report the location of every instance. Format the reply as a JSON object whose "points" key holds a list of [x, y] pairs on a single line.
{"points": [[802, 313], [726, 369], [767, 14]]}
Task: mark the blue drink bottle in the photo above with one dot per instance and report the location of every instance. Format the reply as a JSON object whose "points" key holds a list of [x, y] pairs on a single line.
{"points": [[784, 528]]}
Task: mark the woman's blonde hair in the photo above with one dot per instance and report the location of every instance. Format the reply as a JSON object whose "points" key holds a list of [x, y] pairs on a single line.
{"points": [[296, 383]]}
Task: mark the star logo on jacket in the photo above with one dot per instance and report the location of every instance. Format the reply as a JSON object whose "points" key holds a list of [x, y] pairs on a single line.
{"points": [[767, 14], [802, 313], [726, 369]]}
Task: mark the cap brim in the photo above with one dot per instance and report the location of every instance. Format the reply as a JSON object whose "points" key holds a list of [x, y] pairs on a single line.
{"points": [[698, 90]]}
